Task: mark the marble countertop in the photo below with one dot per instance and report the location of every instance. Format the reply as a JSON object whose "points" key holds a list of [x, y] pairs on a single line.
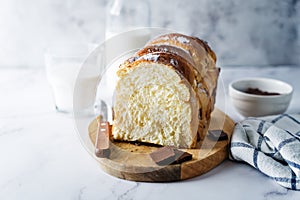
{"points": [[41, 156]]}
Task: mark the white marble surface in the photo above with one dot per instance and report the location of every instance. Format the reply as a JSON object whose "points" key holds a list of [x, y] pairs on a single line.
{"points": [[41, 156], [251, 32]]}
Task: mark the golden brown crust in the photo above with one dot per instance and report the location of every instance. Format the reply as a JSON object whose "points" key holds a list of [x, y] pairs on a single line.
{"points": [[173, 56], [166, 49], [207, 48]]}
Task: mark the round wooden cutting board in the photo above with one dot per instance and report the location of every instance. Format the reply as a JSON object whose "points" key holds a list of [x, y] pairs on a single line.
{"points": [[133, 162]]}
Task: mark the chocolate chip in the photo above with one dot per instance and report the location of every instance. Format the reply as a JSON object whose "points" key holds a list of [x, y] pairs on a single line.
{"points": [[163, 156], [182, 156], [257, 91], [217, 135], [169, 155]]}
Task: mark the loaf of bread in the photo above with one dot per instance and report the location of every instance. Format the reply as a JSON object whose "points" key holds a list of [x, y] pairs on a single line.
{"points": [[166, 92]]}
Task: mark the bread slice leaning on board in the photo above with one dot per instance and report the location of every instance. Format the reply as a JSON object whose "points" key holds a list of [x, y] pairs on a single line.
{"points": [[166, 92]]}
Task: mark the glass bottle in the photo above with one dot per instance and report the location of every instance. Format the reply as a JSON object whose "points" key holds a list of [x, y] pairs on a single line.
{"points": [[124, 15]]}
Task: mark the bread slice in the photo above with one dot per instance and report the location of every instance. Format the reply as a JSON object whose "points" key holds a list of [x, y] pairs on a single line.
{"points": [[165, 93], [155, 104]]}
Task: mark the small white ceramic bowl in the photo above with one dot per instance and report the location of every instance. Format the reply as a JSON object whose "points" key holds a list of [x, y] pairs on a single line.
{"points": [[253, 105]]}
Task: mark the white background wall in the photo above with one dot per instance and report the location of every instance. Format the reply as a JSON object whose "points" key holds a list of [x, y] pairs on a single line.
{"points": [[241, 32]]}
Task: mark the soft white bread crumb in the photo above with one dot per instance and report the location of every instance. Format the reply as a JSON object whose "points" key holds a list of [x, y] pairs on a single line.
{"points": [[155, 104]]}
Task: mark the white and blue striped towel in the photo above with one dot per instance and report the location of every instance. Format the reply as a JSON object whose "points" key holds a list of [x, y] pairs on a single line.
{"points": [[271, 145]]}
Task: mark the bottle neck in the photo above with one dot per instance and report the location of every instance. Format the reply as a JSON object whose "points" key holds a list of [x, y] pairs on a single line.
{"points": [[116, 7]]}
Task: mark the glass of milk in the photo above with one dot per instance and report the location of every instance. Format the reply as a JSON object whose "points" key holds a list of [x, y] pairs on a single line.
{"points": [[67, 71]]}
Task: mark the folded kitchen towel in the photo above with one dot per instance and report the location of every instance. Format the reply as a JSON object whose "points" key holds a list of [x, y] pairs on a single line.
{"points": [[271, 145]]}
